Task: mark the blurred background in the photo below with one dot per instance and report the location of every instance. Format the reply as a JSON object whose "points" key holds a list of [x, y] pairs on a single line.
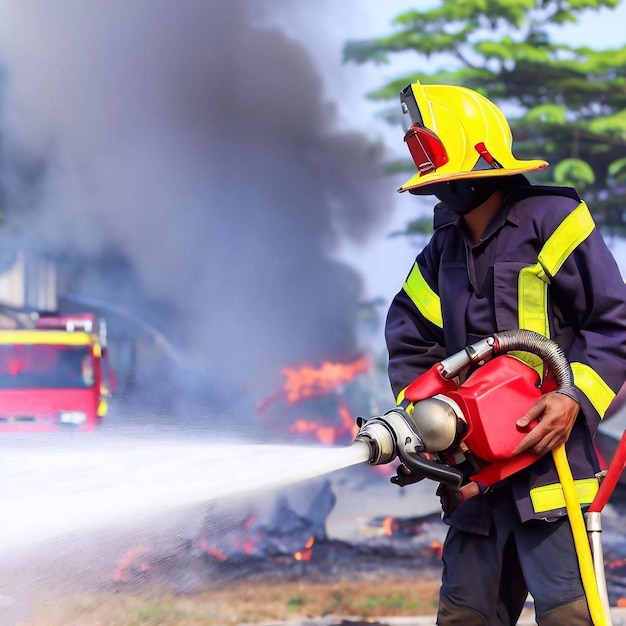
{"points": [[218, 182], [199, 199]]}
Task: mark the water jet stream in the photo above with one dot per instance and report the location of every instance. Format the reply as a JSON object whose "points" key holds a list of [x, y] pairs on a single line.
{"points": [[50, 490]]}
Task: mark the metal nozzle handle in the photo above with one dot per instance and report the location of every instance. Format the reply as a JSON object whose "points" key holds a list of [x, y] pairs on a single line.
{"points": [[431, 469]]}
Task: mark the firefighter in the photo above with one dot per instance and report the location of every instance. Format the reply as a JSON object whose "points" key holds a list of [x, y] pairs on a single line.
{"points": [[507, 254]]}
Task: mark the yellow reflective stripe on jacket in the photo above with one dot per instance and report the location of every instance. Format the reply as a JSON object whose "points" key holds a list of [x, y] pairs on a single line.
{"points": [[423, 297], [550, 497], [532, 295], [533, 298], [533, 281], [571, 232], [593, 386], [532, 288]]}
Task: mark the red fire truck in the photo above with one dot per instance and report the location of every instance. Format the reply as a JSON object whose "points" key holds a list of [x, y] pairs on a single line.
{"points": [[54, 374]]}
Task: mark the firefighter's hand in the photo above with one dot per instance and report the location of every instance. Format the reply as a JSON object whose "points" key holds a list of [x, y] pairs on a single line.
{"points": [[555, 415], [406, 477], [449, 497]]}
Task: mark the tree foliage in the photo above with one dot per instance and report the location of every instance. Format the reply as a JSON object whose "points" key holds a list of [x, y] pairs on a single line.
{"points": [[565, 103]]}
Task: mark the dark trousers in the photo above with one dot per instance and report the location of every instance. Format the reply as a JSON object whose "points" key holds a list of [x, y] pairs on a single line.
{"points": [[490, 576]]}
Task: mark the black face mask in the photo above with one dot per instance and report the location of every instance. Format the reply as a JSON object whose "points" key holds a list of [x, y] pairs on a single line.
{"points": [[463, 196]]}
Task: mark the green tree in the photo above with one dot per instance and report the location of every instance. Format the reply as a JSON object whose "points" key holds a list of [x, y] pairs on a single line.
{"points": [[565, 103]]}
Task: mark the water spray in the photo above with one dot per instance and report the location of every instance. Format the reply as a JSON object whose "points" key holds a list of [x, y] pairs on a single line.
{"points": [[54, 488]]}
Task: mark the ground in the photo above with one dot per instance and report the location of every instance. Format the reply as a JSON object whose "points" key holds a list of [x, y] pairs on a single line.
{"points": [[239, 604]]}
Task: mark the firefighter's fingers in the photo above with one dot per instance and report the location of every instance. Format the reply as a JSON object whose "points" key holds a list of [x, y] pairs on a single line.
{"points": [[534, 413], [547, 443], [555, 415], [543, 438], [531, 440], [469, 491], [539, 440]]}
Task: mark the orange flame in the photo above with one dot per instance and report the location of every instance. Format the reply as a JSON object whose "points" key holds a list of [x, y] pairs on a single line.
{"points": [[210, 550], [248, 546], [325, 433], [309, 382], [388, 526], [347, 421], [437, 548], [307, 552], [220, 556], [250, 520], [131, 556]]}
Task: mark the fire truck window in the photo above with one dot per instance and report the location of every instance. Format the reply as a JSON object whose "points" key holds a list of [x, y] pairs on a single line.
{"points": [[86, 369], [45, 367]]}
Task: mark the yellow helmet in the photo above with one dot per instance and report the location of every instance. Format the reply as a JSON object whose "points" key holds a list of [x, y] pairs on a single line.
{"points": [[456, 133]]}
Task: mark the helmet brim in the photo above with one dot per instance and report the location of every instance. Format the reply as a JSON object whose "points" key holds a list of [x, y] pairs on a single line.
{"points": [[520, 167]]}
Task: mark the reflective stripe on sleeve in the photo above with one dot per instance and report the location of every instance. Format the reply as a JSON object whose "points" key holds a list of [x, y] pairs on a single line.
{"points": [[593, 386], [423, 297], [550, 497]]}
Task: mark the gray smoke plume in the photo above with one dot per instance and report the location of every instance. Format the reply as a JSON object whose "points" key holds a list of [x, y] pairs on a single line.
{"points": [[186, 156]]}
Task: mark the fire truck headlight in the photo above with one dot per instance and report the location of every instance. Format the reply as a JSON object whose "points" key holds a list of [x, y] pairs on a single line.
{"points": [[72, 418]]}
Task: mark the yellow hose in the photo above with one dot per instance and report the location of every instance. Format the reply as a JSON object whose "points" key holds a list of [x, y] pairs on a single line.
{"points": [[581, 541]]}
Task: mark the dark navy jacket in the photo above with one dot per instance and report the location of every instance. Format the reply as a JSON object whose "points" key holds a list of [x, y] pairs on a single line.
{"points": [[541, 252]]}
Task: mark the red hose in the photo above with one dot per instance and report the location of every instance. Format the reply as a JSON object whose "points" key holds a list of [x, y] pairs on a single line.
{"points": [[610, 480]]}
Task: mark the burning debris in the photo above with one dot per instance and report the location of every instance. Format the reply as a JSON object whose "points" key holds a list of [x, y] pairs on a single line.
{"points": [[285, 545], [402, 531], [288, 545]]}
